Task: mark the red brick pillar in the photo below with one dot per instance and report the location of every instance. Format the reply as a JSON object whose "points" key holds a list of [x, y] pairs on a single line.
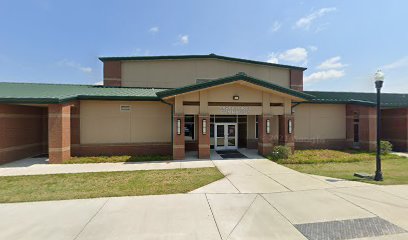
{"points": [[203, 139], [178, 139], [265, 140], [367, 121], [59, 132], [286, 138], [112, 73], [75, 129], [296, 79]]}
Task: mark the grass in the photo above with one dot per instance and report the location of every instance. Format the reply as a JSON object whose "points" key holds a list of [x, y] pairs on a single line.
{"points": [[115, 159], [343, 164], [104, 184], [331, 156]]}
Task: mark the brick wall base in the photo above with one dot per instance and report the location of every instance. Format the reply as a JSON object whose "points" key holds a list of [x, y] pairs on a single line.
{"points": [[191, 146], [334, 144], [121, 149]]}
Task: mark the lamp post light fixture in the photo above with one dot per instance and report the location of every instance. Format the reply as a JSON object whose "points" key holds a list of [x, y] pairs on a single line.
{"points": [[379, 80]]}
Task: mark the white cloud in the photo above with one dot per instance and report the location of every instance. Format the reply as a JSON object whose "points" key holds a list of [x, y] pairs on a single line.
{"points": [[276, 26], [324, 75], [154, 30], [183, 39], [272, 58], [313, 48], [402, 62], [294, 55], [85, 69], [331, 68], [331, 63], [72, 64], [99, 83], [306, 21]]}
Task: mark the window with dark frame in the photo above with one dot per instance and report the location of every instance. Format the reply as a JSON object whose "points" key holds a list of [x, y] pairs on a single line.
{"points": [[356, 130], [256, 126], [189, 127]]}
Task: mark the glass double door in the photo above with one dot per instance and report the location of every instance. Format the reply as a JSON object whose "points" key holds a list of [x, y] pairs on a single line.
{"points": [[225, 136]]}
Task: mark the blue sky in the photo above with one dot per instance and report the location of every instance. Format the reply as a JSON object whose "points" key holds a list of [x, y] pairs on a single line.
{"points": [[342, 43]]}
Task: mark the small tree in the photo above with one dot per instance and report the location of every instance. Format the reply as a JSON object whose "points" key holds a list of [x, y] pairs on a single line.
{"points": [[385, 147]]}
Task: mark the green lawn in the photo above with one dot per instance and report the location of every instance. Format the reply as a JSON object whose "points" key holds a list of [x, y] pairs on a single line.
{"points": [[343, 164], [114, 159], [104, 184]]}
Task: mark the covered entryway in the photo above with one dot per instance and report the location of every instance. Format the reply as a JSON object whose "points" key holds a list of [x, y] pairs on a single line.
{"points": [[23, 131], [29, 130], [231, 112]]}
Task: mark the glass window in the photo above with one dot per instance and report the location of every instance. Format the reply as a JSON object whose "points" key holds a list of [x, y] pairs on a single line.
{"points": [[256, 126], [189, 127]]}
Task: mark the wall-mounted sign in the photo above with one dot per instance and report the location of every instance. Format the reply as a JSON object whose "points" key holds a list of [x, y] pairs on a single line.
{"points": [[238, 110]]}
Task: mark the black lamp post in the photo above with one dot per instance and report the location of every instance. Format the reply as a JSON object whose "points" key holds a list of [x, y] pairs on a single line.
{"points": [[379, 80]]}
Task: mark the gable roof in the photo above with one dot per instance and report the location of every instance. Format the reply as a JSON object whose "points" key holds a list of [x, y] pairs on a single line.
{"points": [[209, 56], [41, 93], [238, 77], [388, 100]]}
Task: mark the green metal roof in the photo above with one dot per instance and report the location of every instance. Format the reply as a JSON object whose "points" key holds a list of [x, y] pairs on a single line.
{"points": [[209, 56], [237, 77], [40, 93], [388, 100]]}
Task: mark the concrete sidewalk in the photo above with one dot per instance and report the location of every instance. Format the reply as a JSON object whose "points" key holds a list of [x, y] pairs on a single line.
{"points": [[39, 166], [257, 199]]}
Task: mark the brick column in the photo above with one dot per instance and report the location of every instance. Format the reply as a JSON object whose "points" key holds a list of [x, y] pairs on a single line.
{"points": [[179, 151], [59, 132], [265, 140], [75, 129], [367, 126], [296, 79], [112, 73], [286, 138], [203, 139]]}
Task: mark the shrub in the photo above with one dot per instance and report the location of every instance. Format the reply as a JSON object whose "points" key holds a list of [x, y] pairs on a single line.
{"points": [[385, 147], [280, 152]]}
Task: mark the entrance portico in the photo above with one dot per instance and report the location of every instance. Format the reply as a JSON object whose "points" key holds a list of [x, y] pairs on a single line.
{"points": [[233, 112]]}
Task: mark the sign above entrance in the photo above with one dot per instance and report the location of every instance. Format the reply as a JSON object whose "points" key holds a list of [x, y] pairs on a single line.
{"points": [[237, 110], [233, 110]]}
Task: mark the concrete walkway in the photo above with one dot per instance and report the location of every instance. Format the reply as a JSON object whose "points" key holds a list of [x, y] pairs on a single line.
{"points": [[257, 199], [39, 166]]}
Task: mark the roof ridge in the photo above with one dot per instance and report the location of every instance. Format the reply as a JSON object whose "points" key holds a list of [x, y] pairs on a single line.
{"points": [[204, 56], [82, 85], [59, 84]]}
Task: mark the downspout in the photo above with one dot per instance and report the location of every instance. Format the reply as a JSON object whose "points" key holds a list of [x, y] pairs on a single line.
{"points": [[172, 122], [293, 106]]}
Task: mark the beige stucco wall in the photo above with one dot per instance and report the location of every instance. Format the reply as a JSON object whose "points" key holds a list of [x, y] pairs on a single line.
{"points": [[104, 122], [320, 121], [178, 73]]}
